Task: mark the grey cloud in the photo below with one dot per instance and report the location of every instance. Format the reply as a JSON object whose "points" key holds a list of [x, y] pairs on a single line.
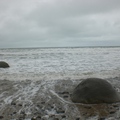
{"points": [[59, 23]]}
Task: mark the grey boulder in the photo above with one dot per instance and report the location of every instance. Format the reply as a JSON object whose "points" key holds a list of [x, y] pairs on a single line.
{"points": [[94, 91], [4, 64]]}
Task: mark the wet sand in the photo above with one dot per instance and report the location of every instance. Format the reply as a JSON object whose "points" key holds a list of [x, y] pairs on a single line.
{"points": [[50, 100]]}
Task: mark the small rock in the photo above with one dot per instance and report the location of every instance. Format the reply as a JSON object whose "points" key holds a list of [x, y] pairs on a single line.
{"points": [[112, 112], [63, 92], [13, 103], [22, 112], [101, 119], [63, 116], [4, 64], [38, 117], [60, 111], [65, 96], [33, 118], [1, 117], [56, 118], [14, 112], [20, 105], [87, 107], [42, 102], [115, 106], [77, 118]]}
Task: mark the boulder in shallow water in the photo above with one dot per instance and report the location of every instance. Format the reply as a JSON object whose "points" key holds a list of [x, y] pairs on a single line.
{"points": [[4, 64], [94, 91]]}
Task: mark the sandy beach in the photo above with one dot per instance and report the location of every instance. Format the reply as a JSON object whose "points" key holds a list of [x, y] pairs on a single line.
{"points": [[50, 100]]}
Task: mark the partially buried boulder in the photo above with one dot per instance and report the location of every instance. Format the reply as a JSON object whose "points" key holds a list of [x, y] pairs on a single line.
{"points": [[94, 91], [4, 64]]}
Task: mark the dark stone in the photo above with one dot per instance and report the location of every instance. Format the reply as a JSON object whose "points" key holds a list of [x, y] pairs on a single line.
{"points": [[22, 112], [20, 105], [65, 96], [63, 116], [13, 103], [34, 118], [42, 102], [39, 117], [112, 112], [63, 92], [77, 118], [60, 111], [14, 112], [101, 119], [88, 107], [56, 118], [4, 64], [93, 91], [1, 117], [115, 106]]}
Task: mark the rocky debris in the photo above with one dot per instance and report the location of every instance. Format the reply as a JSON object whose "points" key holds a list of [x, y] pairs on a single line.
{"points": [[19, 103], [94, 91], [41, 106], [4, 64]]}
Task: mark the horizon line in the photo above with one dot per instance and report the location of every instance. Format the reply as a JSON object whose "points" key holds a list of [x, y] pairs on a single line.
{"points": [[57, 47]]}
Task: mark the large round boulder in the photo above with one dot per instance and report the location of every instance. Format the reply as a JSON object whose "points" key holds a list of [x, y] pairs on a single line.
{"points": [[4, 64], [94, 91]]}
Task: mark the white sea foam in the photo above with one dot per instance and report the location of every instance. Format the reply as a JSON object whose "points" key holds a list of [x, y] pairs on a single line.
{"points": [[60, 63]]}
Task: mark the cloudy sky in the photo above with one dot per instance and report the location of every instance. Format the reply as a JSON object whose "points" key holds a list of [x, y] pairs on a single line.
{"points": [[59, 23]]}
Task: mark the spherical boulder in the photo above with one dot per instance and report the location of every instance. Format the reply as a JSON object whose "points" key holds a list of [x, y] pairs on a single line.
{"points": [[94, 91], [4, 64]]}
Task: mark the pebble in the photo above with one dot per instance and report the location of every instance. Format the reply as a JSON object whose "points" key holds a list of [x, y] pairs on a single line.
{"points": [[20, 105], [14, 112], [77, 118], [65, 96], [101, 119], [34, 118], [63, 116], [13, 103], [1, 117], [60, 111], [112, 112]]}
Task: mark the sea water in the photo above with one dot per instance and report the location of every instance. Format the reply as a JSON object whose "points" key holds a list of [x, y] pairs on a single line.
{"points": [[60, 63], [35, 72]]}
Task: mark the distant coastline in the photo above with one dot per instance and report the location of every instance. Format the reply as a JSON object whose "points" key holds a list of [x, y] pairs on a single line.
{"points": [[63, 47]]}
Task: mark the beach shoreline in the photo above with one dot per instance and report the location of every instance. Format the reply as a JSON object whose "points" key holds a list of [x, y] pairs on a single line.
{"points": [[50, 100]]}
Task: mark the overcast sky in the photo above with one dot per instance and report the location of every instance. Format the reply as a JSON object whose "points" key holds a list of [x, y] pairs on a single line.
{"points": [[59, 23]]}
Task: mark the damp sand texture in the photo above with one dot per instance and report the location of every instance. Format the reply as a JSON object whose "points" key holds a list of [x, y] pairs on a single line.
{"points": [[49, 100]]}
